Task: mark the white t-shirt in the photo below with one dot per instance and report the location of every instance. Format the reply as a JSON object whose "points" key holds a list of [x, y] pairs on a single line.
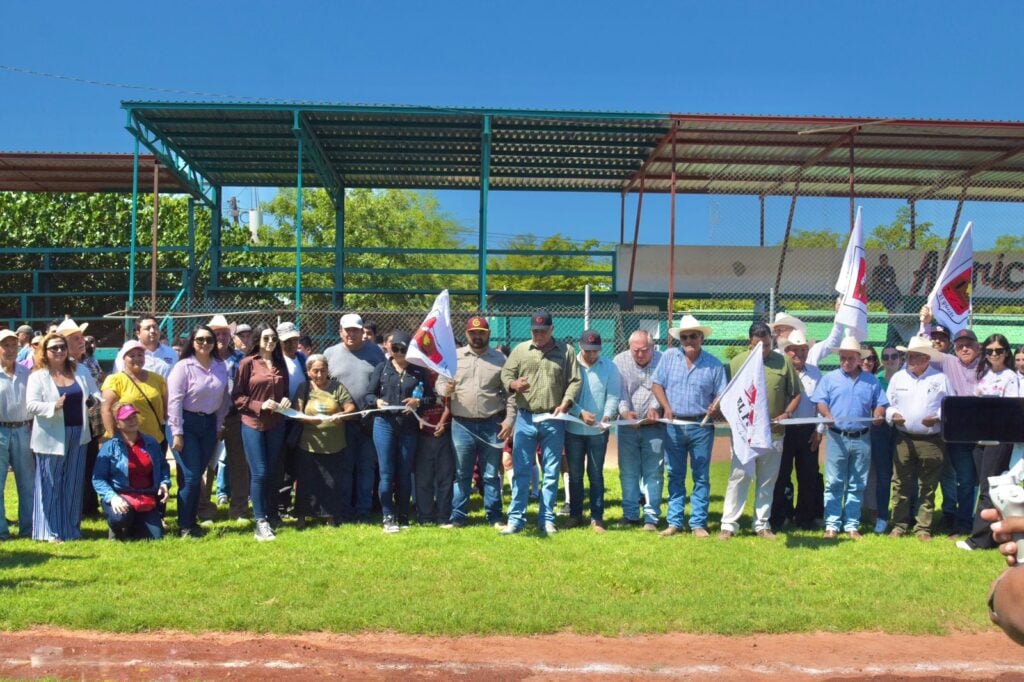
{"points": [[1004, 384]]}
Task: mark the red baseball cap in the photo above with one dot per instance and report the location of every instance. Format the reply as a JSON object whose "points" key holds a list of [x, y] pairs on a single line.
{"points": [[477, 322]]}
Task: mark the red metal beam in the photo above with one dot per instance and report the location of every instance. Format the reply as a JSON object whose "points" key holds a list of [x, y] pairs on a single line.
{"points": [[665, 140], [966, 177]]}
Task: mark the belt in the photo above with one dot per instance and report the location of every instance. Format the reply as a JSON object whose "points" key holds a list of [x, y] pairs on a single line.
{"points": [[479, 420], [201, 414], [848, 434], [15, 425], [919, 436], [550, 409], [691, 417]]}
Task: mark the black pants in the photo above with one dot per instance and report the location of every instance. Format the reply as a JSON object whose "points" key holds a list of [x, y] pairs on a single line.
{"points": [[809, 494], [989, 460]]}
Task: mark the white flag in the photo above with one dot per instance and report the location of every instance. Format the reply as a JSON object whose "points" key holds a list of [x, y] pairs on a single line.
{"points": [[745, 406], [433, 344], [852, 285], [950, 300]]}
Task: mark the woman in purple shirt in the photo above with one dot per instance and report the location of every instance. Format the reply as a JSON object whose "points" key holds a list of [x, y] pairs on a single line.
{"points": [[197, 401]]}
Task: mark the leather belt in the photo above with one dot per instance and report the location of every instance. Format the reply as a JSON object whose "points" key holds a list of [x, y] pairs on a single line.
{"points": [[479, 420], [848, 434], [15, 425]]}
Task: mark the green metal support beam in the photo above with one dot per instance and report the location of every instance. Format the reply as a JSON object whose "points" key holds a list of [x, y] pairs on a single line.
{"points": [[485, 186], [330, 179], [172, 158], [338, 296], [298, 223]]}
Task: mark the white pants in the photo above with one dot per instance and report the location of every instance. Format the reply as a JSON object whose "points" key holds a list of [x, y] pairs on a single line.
{"points": [[764, 469]]}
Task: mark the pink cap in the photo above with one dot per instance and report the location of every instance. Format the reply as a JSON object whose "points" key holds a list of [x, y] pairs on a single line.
{"points": [[126, 411]]}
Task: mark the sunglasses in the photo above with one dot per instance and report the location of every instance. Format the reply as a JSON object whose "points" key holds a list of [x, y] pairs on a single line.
{"points": [[870, 358], [890, 356], [57, 349], [397, 348], [995, 351], [689, 337], [268, 339], [204, 340]]}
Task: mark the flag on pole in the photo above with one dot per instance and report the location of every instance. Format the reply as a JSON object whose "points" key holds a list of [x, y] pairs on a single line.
{"points": [[950, 300], [852, 285], [745, 406], [433, 344]]}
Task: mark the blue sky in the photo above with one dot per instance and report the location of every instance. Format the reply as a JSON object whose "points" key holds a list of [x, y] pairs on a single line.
{"points": [[906, 59]]}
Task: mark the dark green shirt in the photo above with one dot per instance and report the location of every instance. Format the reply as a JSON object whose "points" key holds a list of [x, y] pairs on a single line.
{"points": [[553, 374], [781, 380]]}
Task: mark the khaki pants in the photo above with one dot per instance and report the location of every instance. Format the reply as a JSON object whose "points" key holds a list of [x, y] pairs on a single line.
{"points": [[918, 458]]}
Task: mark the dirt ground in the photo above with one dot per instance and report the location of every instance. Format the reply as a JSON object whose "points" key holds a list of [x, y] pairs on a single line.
{"points": [[172, 656]]}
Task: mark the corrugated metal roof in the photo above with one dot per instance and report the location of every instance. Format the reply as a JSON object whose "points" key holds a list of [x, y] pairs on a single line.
{"points": [[440, 148], [53, 172]]}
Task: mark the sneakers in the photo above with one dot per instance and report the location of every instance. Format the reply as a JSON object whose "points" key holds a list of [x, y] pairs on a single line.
{"points": [[510, 530], [598, 527], [390, 525], [222, 500], [498, 525], [964, 545], [880, 526], [264, 533], [241, 521], [206, 523], [550, 528]]}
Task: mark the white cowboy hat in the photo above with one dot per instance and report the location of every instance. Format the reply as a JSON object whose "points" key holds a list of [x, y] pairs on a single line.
{"points": [[795, 338], [919, 344], [787, 320], [850, 343], [69, 327], [218, 322], [689, 323]]}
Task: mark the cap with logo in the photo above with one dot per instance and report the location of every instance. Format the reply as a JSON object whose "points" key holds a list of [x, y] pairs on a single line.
{"points": [[477, 323], [541, 319], [590, 340], [965, 334]]}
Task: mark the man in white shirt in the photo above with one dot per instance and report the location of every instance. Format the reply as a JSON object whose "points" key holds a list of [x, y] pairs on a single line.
{"points": [[159, 356], [915, 398], [14, 434]]}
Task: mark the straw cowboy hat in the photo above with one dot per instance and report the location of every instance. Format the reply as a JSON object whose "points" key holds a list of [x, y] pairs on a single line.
{"points": [[218, 322], [689, 323], [919, 344], [69, 327], [850, 343], [796, 338], [787, 320]]}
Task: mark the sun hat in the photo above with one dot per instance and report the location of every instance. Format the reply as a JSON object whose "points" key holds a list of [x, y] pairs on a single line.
{"points": [[919, 344], [69, 327], [218, 322], [287, 330], [795, 338], [689, 323], [787, 320], [7, 334], [850, 343]]}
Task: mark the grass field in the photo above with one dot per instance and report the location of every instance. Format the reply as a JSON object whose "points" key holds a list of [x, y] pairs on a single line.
{"points": [[432, 581]]}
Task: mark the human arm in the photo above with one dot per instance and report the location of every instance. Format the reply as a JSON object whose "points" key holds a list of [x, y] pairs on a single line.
{"points": [[372, 398], [107, 410], [38, 399], [613, 389], [659, 395], [574, 382]]}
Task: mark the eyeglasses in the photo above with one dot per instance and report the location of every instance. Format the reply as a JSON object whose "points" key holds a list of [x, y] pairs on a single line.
{"points": [[205, 340], [57, 349], [689, 337], [890, 356], [268, 339], [397, 348], [995, 351], [871, 358]]}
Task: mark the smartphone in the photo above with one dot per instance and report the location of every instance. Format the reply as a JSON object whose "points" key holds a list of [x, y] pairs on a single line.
{"points": [[970, 419]]}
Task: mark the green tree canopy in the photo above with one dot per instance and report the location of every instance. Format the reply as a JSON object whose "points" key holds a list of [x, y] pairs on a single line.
{"points": [[1009, 243], [896, 235], [518, 269]]}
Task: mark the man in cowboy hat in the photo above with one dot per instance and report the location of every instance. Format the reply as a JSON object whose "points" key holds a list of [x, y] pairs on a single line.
{"points": [[545, 378], [686, 384], [850, 397], [915, 400], [482, 413], [783, 394], [800, 447], [785, 324]]}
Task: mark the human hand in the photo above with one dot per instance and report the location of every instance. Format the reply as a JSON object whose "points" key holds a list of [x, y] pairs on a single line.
{"points": [[587, 417], [439, 430], [59, 404], [561, 409], [814, 440], [897, 418], [118, 505], [652, 415], [163, 493], [930, 421], [1003, 531], [925, 315], [506, 460], [505, 432], [269, 405], [520, 385], [178, 443]]}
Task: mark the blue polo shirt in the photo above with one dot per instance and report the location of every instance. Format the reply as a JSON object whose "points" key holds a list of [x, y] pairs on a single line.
{"points": [[850, 397]]}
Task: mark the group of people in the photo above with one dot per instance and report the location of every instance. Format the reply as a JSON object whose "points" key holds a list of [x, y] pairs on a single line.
{"points": [[360, 425]]}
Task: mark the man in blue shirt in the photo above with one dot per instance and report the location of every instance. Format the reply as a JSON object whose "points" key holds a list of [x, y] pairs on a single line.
{"points": [[848, 396], [686, 384]]}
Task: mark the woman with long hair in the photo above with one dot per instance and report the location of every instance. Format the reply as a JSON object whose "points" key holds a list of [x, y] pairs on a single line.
{"points": [[197, 389], [996, 378], [261, 387], [58, 396]]}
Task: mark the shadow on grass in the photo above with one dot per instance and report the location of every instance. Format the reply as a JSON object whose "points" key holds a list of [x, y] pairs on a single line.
{"points": [[813, 540], [31, 559]]}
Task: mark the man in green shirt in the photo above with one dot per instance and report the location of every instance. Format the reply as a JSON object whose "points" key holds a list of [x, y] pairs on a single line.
{"points": [[782, 383], [545, 379]]}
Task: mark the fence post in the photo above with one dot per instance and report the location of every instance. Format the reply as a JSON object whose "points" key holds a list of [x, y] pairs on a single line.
{"points": [[771, 305], [586, 307]]}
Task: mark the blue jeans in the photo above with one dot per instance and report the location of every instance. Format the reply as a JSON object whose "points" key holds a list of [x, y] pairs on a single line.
{"points": [[223, 479], [261, 450], [15, 453], [551, 437], [883, 447], [959, 486], [200, 436], [396, 450], [467, 451], [846, 475], [695, 442], [592, 449], [360, 448], [133, 524], [642, 470]]}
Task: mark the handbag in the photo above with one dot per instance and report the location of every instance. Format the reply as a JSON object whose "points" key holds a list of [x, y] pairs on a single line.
{"points": [[148, 402]]}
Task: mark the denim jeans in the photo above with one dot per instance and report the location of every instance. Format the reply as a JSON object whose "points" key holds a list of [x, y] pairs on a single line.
{"points": [[846, 475], [591, 451], [261, 449], [883, 448], [468, 450], [551, 437], [200, 436], [695, 442], [15, 453], [435, 471], [642, 470], [396, 450], [959, 486], [133, 524], [223, 480], [360, 448]]}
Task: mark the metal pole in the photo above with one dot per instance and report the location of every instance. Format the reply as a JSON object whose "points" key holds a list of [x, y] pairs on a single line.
{"points": [[298, 234], [636, 235], [852, 217], [191, 274], [785, 240], [153, 237], [761, 201], [215, 238], [339, 248], [952, 228], [135, 230], [771, 304], [586, 307], [913, 224], [672, 232], [485, 186], [622, 218]]}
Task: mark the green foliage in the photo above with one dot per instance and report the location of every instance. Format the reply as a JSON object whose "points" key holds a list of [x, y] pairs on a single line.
{"points": [[896, 235], [1009, 243], [547, 266], [815, 239]]}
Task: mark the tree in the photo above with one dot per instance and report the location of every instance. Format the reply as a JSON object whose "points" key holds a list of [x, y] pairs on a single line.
{"points": [[896, 235], [1009, 243], [546, 264], [815, 239]]}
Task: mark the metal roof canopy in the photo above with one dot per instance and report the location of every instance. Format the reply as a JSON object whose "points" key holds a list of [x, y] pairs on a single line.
{"points": [[441, 148], [93, 173]]}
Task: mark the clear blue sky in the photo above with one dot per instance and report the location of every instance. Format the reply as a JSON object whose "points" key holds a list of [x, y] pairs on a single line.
{"points": [[903, 59]]}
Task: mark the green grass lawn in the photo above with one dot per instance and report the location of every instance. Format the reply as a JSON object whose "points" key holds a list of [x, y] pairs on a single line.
{"points": [[432, 581]]}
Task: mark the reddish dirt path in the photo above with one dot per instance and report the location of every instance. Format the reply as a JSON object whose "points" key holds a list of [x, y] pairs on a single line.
{"points": [[171, 656]]}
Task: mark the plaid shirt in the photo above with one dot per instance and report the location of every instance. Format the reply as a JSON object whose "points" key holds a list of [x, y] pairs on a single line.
{"points": [[690, 390], [636, 393]]}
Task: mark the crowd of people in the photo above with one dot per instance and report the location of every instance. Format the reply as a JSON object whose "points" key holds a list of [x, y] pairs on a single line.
{"points": [[259, 418]]}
